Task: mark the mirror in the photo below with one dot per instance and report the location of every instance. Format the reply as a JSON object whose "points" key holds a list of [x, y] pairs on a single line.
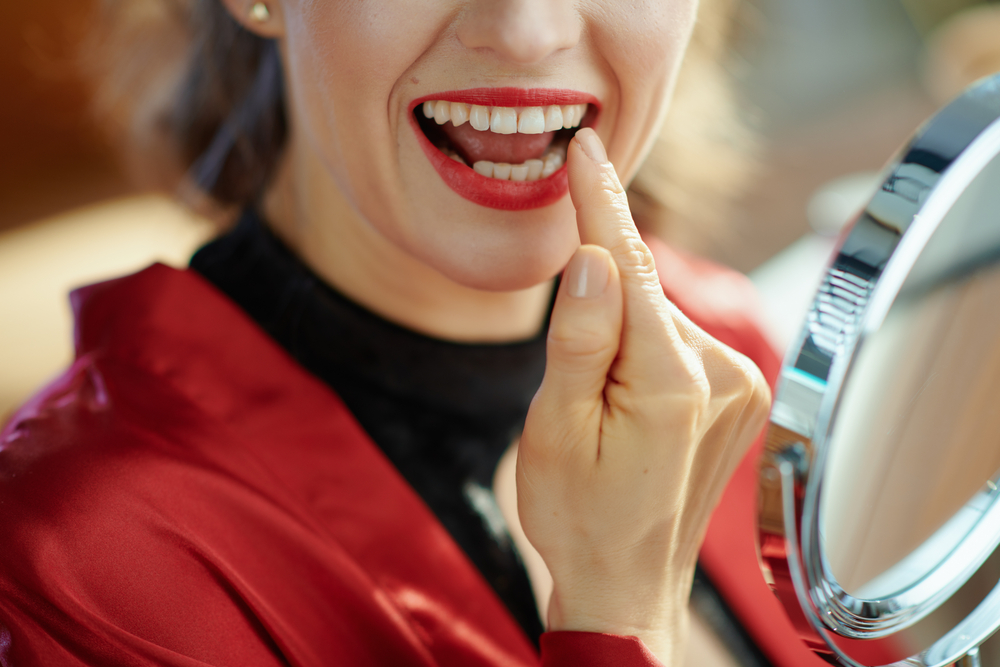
{"points": [[917, 434], [878, 512]]}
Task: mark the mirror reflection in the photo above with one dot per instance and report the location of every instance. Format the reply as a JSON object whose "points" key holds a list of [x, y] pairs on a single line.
{"points": [[917, 432]]}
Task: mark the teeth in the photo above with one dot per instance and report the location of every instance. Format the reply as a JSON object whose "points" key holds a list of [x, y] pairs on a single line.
{"points": [[553, 118], [530, 170], [503, 120], [442, 112], [510, 120], [453, 155], [531, 121], [479, 117], [570, 118], [506, 120], [552, 162], [459, 113]]}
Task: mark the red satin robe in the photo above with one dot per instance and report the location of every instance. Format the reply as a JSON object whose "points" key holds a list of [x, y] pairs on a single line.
{"points": [[185, 494]]}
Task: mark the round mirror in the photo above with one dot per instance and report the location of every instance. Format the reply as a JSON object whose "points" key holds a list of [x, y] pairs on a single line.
{"points": [[878, 489]]}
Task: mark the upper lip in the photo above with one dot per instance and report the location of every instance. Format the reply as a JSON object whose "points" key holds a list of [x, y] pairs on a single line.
{"points": [[511, 97]]}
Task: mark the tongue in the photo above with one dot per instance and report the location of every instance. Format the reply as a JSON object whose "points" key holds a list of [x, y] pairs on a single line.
{"points": [[474, 145]]}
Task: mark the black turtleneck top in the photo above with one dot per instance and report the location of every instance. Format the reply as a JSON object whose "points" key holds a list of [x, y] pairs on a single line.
{"points": [[442, 412]]}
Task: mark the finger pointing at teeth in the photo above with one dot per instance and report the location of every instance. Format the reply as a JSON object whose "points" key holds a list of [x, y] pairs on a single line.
{"points": [[650, 345], [640, 419]]}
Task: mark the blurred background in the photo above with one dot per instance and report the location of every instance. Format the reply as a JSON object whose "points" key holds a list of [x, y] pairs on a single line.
{"points": [[833, 87]]}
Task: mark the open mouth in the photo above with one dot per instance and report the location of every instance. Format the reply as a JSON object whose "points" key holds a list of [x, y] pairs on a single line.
{"points": [[507, 143], [502, 148]]}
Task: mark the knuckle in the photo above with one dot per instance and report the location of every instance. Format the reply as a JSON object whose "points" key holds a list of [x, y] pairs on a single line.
{"points": [[633, 256], [718, 381], [750, 381], [693, 377], [609, 183], [700, 392], [686, 404], [699, 400], [759, 400], [579, 342], [743, 385]]}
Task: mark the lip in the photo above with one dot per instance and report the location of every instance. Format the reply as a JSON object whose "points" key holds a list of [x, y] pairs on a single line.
{"points": [[492, 192]]}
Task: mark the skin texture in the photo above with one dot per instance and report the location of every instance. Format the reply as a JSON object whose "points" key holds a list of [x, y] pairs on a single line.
{"points": [[641, 417], [358, 199]]}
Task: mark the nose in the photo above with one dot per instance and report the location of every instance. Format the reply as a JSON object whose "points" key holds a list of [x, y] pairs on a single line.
{"points": [[520, 31]]}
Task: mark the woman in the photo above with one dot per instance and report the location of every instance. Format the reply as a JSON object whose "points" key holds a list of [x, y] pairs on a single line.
{"points": [[192, 492]]}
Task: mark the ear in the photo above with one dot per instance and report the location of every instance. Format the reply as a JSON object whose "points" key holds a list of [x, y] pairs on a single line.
{"points": [[261, 17]]}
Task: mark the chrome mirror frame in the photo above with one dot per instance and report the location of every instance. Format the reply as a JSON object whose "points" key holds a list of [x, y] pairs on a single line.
{"points": [[918, 190]]}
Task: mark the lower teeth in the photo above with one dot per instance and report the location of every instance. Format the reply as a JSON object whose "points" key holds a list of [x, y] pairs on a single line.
{"points": [[530, 170]]}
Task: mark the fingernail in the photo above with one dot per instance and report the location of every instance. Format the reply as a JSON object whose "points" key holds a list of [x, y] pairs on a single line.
{"points": [[587, 273], [592, 146]]}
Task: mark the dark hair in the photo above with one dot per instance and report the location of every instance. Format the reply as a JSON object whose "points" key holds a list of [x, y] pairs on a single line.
{"points": [[201, 95], [229, 115], [188, 90]]}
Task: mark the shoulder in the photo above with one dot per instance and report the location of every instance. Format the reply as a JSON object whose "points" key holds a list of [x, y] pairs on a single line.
{"points": [[80, 462], [49, 447], [105, 469], [170, 380], [135, 500], [84, 536]]}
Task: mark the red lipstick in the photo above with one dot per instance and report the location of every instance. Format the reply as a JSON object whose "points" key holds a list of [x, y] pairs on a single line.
{"points": [[493, 192]]}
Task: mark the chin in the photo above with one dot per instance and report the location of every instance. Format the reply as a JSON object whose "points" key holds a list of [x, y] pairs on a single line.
{"points": [[524, 250]]}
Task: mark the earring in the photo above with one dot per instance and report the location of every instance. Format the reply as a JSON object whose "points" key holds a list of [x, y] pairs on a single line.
{"points": [[260, 13]]}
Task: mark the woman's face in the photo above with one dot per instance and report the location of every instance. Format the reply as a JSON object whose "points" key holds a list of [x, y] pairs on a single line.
{"points": [[359, 73]]}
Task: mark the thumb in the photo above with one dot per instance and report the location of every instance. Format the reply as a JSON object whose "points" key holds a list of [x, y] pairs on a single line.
{"points": [[584, 335]]}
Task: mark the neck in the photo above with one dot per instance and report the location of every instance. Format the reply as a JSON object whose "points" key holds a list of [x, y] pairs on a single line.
{"points": [[307, 210]]}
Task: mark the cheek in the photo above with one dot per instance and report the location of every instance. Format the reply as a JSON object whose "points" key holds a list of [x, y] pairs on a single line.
{"points": [[643, 44], [645, 36], [369, 41], [344, 60]]}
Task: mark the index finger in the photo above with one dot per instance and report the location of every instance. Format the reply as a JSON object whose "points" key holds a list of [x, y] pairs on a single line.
{"points": [[602, 213], [651, 344]]}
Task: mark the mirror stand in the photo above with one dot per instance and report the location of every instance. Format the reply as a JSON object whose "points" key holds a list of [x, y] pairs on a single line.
{"points": [[971, 659]]}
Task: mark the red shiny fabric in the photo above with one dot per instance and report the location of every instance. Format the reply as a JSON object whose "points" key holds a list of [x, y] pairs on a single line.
{"points": [[186, 494]]}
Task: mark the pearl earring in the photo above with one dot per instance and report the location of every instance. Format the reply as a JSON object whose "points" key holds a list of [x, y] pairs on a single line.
{"points": [[260, 13]]}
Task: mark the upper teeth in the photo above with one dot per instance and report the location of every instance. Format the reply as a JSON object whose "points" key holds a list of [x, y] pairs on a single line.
{"points": [[506, 120]]}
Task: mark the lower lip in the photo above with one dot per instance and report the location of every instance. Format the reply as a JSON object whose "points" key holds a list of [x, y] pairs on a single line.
{"points": [[493, 192]]}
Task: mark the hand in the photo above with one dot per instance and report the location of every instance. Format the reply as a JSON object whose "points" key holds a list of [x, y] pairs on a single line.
{"points": [[639, 423]]}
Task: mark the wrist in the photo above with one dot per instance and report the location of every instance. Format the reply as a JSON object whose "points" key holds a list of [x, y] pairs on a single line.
{"points": [[659, 621]]}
